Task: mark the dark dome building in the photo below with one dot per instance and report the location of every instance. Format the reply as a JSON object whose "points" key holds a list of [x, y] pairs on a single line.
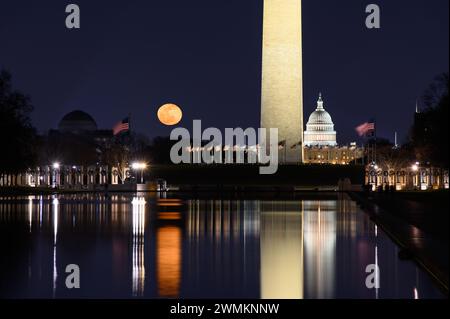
{"points": [[77, 122], [77, 140]]}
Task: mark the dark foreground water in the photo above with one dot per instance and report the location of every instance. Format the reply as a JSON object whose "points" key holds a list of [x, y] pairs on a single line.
{"points": [[132, 247]]}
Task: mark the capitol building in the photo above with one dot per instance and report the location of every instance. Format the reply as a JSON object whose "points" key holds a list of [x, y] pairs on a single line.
{"points": [[320, 141], [320, 128]]}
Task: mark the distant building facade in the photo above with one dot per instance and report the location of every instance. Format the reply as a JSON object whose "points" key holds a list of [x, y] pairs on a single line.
{"points": [[415, 177], [336, 155], [73, 159]]}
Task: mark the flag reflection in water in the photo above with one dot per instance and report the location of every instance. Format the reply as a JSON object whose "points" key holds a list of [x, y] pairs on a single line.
{"points": [[138, 246]]}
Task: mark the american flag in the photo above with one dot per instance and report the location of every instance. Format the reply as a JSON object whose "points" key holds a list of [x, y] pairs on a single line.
{"points": [[122, 126], [366, 129]]}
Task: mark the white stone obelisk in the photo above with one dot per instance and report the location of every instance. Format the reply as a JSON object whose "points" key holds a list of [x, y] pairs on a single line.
{"points": [[282, 86]]}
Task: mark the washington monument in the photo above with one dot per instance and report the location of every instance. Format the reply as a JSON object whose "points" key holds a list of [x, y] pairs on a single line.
{"points": [[282, 86]]}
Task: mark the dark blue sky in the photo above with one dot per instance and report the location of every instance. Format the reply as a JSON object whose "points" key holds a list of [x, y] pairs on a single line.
{"points": [[205, 55]]}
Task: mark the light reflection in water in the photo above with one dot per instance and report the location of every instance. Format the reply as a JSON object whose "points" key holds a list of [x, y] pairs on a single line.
{"points": [[30, 211], [320, 248], [138, 270], [168, 261], [310, 248], [41, 198], [168, 241], [55, 219], [55, 234], [281, 239], [222, 249], [377, 273]]}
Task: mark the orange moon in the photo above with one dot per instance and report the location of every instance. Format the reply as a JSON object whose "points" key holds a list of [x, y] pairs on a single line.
{"points": [[170, 114]]}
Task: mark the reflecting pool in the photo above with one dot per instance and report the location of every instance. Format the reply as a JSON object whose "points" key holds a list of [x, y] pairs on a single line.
{"points": [[147, 246]]}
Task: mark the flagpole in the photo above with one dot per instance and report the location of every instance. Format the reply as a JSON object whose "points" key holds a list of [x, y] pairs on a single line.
{"points": [[129, 122], [396, 140], [363, 161], [375, 122]]}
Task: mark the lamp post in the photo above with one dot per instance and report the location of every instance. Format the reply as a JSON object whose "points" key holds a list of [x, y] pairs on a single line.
{"points": [[415, 169], [56, 167], [139, 166], [375, 166]]}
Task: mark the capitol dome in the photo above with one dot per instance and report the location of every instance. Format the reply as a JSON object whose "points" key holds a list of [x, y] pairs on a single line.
{"points": [[77, 121], [320, 128]]}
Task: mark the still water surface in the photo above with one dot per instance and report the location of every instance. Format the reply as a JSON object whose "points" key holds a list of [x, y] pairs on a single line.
{"points": [[130, 246]]}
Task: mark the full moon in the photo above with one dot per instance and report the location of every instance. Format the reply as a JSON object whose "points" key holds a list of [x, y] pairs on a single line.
{"points": [[170, 114]]}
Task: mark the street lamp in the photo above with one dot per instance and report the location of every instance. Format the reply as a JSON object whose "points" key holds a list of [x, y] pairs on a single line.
{"points": [[56, 167], [141, 167], [375, 175], [415, 169]]}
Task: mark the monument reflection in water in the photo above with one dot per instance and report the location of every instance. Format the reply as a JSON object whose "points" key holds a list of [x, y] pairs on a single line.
{"points": [[150, 247]]}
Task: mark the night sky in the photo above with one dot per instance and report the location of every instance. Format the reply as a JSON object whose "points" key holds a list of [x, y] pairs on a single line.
{"points": [[205, 55]]}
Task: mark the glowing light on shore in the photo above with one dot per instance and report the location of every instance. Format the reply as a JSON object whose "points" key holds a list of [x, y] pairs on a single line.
{"points": [[138, 165], [416, 294]]}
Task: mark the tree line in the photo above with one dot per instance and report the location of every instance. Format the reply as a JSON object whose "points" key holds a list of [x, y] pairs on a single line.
{"points": [[428, 138]]}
